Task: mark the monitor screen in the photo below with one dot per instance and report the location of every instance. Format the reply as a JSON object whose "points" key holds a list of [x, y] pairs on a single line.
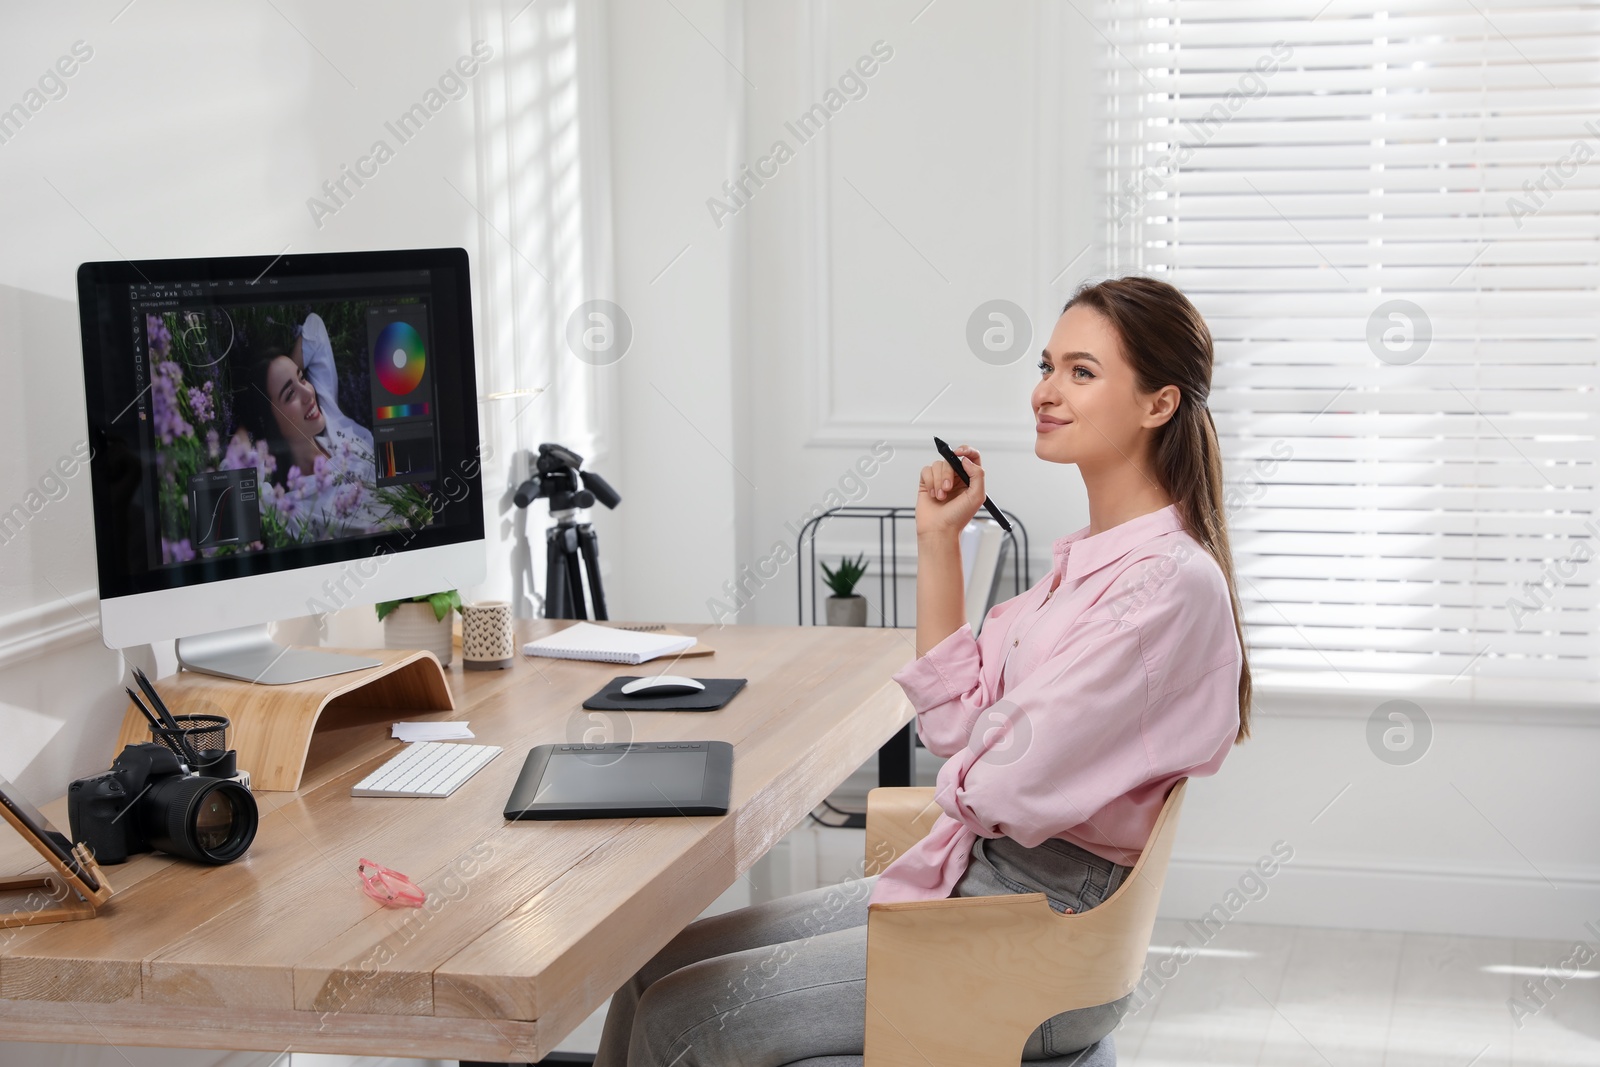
{"points": [[250, 415]]}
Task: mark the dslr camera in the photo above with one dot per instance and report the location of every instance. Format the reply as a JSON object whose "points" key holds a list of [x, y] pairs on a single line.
{"points": [[149, 801]]}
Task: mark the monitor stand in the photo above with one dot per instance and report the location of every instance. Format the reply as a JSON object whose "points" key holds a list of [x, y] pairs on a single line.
{"points": [[249, 654], [271, 726]]}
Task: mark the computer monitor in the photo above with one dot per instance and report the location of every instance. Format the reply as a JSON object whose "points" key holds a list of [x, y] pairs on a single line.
{"points": [[280, 436]]}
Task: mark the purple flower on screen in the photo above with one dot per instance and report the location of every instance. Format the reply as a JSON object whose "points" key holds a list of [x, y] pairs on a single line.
{"points": [[240, 454], [165, 380], [155, 328], [346, 499], [200, 403]]}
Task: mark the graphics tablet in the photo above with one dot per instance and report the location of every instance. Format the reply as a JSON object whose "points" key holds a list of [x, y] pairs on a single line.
{"points": [[622, 779]]}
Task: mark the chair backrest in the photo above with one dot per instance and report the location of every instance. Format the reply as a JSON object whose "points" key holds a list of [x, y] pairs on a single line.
{"points": [[1107, 944], [1018, 962]]}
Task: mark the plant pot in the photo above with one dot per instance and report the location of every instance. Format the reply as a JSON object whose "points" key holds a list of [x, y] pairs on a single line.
{"points": [[847, 611], [412, 625]]}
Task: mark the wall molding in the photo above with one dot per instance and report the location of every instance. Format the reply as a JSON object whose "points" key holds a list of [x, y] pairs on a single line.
{"points": [[829, 430], [1424, 899], [49, 627], [818, 219], [997, 436], [1290, 696]]}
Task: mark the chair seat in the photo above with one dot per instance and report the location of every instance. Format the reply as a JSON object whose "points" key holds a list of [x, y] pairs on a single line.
{"points": [[1102, 1053]]}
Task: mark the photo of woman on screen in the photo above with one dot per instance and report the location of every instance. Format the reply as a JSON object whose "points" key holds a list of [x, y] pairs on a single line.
{"points": [[323, 482], [258, 386]]}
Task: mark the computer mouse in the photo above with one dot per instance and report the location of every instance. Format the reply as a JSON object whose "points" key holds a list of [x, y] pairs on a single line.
{"points": [[661, 685]]}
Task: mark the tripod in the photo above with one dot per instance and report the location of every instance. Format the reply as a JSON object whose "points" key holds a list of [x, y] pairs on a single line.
{"points": [[557, 477]]}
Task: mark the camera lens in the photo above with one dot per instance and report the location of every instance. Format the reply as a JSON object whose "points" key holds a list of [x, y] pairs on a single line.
{"points": [[214, 821], [209, 820]]}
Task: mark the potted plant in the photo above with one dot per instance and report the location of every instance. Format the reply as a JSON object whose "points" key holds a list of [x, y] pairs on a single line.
{"points": [[845, 607], [420, 622]]}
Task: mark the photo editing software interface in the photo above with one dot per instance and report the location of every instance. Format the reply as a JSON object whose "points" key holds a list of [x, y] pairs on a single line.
{"points": [[285, 411]]}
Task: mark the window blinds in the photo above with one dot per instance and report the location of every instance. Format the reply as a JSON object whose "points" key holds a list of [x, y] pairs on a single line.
{"points": [[1388, 214]]}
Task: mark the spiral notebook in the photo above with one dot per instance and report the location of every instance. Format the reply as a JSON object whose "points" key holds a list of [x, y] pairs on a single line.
{"points": [[584, 640]]}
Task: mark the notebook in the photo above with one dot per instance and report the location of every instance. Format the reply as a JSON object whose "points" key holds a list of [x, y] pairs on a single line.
{"points": [[584, 640]]}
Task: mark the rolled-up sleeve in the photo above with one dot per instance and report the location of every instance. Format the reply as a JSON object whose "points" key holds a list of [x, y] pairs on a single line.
{"points": [[1060, 745], [947, 684]]}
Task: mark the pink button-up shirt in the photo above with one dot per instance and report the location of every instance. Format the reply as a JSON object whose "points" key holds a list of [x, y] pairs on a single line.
{"points": [[1077, 707]]}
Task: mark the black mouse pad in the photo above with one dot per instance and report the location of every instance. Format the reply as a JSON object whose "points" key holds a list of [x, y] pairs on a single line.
{"points": [[717, 692]]}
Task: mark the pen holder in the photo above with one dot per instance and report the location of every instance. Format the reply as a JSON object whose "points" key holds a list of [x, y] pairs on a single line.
{"points": [[206, 737], [486, 643]]}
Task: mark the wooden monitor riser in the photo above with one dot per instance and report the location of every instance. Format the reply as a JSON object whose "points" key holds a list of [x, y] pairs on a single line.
{"points": [[272, 725]]}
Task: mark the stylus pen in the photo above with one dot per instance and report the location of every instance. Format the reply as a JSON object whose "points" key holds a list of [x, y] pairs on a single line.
{"points": [[955, 461], [155, 725], [155, 699]]}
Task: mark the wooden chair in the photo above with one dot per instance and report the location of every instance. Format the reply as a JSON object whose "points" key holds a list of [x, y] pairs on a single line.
{"points": [[1019, 960]]}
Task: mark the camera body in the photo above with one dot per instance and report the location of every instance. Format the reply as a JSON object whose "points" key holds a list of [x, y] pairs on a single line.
{"points": [[149, 802]]}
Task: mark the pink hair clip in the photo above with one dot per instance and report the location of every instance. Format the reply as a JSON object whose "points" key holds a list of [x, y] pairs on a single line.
{"points": [[389, 888]]}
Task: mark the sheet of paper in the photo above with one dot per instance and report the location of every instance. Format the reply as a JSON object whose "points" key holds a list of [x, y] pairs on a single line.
{"points": [[431, 731]]}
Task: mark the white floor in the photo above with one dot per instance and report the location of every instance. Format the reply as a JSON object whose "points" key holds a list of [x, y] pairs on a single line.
{"points": [[1282, 996]]}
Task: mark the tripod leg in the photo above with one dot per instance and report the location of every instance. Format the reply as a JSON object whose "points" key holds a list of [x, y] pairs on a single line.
{"points": [[569, 553], [590, 544], [557, 598]]}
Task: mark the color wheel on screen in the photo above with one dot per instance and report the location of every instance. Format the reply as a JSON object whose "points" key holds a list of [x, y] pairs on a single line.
{"points": [[399, 358]]}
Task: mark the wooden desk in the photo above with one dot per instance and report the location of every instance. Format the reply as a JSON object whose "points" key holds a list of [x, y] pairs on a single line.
{"points": [[535, 923]]}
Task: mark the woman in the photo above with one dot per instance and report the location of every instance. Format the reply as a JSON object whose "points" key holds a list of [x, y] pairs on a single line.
{"points": [[323, 481], [1063, 725], [313, 352]]}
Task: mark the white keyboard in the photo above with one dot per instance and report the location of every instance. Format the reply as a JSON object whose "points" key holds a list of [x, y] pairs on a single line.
{"points": [[426, 769]]}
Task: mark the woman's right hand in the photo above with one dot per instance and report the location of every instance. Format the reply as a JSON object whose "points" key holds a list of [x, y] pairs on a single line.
{"points": [[944, 505]]}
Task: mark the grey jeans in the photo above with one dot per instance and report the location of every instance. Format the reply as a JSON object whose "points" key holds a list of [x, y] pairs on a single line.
{"points": [[785, 980]]}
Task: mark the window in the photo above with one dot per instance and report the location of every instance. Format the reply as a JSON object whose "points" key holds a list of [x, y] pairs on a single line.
{"points": [[1388, 214]]}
